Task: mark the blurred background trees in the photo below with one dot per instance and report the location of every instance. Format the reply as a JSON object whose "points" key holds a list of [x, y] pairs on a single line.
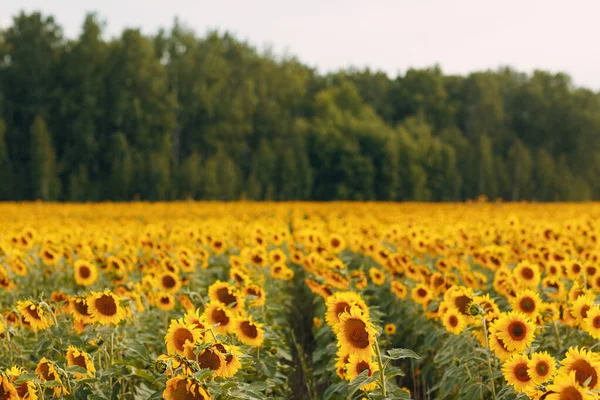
{"points": [[178, 116]]}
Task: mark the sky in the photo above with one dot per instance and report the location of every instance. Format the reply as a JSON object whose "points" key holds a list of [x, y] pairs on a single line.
{"points": [[390, 35]]}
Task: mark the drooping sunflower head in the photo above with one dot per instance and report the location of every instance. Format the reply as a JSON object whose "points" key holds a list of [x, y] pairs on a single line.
{"points": [[80, 310], [179, 334], [105, 308], [217, 314], [184, 388], [8, 390], [34, 315], [232, 359], [256, 295], [81, 359], [47, 371]]}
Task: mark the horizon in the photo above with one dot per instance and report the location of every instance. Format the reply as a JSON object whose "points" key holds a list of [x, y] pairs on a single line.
{"points": [[430, 33]]}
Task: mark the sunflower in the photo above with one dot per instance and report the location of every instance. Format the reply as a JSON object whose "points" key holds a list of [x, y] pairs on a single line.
{"points": [[8, 391], [240, 277], [335, 243], [255, 294], [515, 330], [317, 288], [218, 314], [581, 306], [184, 388], [567, 387], [574, 270], [421, 294], [165, 301], [527, 302], [399, 289], [208, 358], [460, 297], [169, 282], [82, 359], [34, 315], [86, 272], [356, 334], [232, 359], [454, 321], [277, 256], [26, 390], [222, 292], [47, 371], [541, 367], [197, 320], [516, 373], [249, 332], [341, 363], [50, 256], [489, 306], [80, 310], [340, 302], [358, 364], [180, 333], [527, 275], [554, 288], [389, 329], [584, 363], [105, 307], [17, 265], [377, 276], [591, 323]]}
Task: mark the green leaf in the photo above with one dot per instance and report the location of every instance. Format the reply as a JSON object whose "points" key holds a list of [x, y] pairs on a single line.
{"points": [[361, 380], [398, 354]]}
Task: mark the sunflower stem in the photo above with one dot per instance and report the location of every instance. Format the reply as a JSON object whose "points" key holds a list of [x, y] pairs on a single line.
{"points": [[381, 369], [489, 358], [556, 335]]}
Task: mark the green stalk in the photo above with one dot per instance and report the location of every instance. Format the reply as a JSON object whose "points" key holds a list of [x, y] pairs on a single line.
{"points": [[489, 359], [381, 369]]}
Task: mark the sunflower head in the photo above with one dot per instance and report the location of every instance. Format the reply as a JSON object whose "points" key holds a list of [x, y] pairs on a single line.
{"points": [[356, 334], [249, 332], [105, 308], [516, 372], [185, 388]]}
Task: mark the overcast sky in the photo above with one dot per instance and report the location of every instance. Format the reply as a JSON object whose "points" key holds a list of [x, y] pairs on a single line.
{"points": [[391, 35]]}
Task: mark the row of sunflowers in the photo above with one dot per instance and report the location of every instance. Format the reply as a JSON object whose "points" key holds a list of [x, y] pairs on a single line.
{"points": [[299, 300]]}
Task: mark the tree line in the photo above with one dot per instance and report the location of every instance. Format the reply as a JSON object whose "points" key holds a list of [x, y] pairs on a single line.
{"points": [[176, 115]]}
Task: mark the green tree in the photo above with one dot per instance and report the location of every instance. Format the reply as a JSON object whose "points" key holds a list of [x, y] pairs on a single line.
{"points": [[44, 173]]}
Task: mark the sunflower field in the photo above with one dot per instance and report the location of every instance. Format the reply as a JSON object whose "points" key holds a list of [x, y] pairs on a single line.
{"points": [[209, 300]]}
